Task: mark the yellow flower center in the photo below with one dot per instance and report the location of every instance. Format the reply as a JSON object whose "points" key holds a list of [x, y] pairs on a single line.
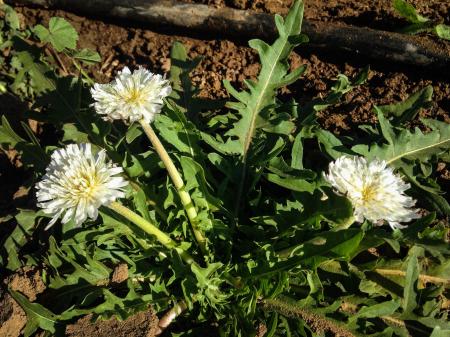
{"points": [[85, 186], [368, 192], [134, 96]]}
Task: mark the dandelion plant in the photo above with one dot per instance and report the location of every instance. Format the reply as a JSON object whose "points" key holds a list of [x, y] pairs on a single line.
{"points": [[241, 217]]}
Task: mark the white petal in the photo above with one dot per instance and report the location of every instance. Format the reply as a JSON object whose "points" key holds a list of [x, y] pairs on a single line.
{"points": [[377, 194], [77, 183], [131, 96]]}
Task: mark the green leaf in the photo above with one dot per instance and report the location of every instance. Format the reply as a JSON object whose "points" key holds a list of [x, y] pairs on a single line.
{"points": [[71, 133], [11, 17], [133, 132], [7, 134], [32, 155], [140, 203], [377, 310], [29, 57], [416, 28], [199, 189], [178, 131], [443, 31], [404, 146], [19, 237], [334, 209], [340, 87], [330, 143], [325, 246], [87, 56], [273, 75], [297, 152], [438, 332], [37, 315], [60, 34], [292, 179], [184, 94], [408, 109], [296, 183], [408, 11], [412, 276]]}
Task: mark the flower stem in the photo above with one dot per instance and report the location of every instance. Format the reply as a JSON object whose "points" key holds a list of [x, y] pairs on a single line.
{"points": [[178, 182], [150, 228], [170, 316], [422, 277]]}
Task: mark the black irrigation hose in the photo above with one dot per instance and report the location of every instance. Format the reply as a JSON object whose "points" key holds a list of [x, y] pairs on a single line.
{"points": [[375, 44]]}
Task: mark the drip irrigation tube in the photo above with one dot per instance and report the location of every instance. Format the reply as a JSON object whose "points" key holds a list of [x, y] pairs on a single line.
{"points": [[371, 43]]}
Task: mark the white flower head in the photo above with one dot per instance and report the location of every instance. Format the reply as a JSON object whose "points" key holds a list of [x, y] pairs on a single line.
{"points": [[377, 194], [77, 183], [131, 96]]}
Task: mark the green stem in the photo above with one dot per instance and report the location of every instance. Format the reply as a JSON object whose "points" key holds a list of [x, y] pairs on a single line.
{"points": [[81, 70], [162, 237], [150, 228], [178, 182]]}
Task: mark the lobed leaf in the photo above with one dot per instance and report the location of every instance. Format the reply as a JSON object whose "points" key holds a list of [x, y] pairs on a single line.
{"points": [[408, 109], [60, 34], [405, 146]]}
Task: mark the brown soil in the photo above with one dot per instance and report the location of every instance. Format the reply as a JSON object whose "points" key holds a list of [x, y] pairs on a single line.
{"points": [[28, 281], [124, 43], [12, 317], [143, 324]]}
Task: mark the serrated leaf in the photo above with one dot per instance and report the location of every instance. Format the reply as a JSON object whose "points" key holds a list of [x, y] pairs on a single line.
{"points": [[340, 87], [273, 75], [37, 315], [331, 144], [403, 146], [408, 109], [19, 237], [287, 177], [184, 94], [28, 57], [298, 184]]}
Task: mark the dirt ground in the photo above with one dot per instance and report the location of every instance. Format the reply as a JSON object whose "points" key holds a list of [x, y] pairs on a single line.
{"points": [[124, 43]]}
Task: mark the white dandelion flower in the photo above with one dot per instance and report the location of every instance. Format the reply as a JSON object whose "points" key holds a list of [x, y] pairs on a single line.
{"points": [[77, 183], [377, 194], [131, 96]]}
